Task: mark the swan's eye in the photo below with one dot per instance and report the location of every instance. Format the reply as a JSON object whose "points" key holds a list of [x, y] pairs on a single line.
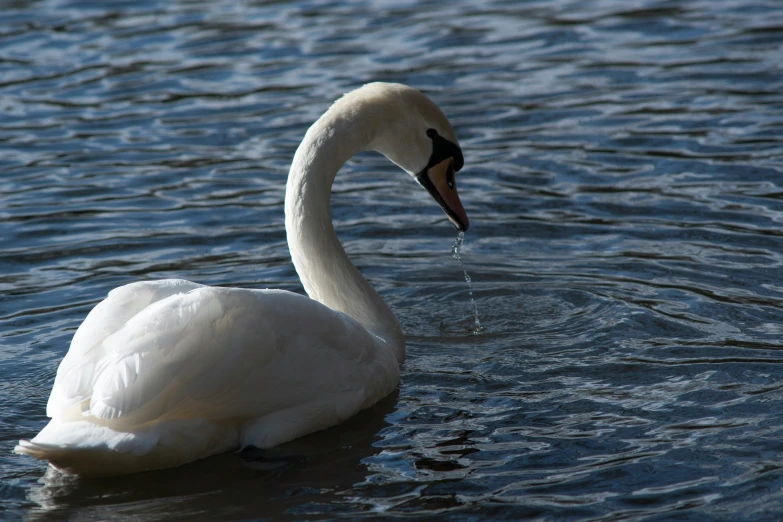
{"points": [[450, 175], [432, 133]]}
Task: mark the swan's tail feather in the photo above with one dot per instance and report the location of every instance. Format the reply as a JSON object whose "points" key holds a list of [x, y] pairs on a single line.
{"points": [[84, 449], [34, 449], [80, 448], [85, 462], [94, 462]]}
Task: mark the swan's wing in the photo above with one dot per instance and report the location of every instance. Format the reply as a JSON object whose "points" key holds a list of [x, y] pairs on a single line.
{"points": [[220, 353], [77, 372]]}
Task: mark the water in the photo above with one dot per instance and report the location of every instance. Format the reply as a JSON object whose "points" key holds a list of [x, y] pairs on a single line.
{"points": [[624, 182], [455, 253]]}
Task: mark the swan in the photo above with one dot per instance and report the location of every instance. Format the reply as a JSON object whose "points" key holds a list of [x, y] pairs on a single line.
{"points": [[166, 372]]}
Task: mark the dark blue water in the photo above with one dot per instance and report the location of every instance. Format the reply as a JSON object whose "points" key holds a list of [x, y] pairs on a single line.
{"points": [[624, 180]]}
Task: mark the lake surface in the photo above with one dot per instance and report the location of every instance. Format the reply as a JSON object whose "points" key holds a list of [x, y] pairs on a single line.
{"points": [[624, 180]]}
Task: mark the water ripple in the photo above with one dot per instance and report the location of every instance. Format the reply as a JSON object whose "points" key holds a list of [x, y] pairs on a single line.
{"points": [[623, 176]]}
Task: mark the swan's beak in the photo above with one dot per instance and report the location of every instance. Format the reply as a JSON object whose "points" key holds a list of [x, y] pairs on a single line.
{"points": [[439, 182]]}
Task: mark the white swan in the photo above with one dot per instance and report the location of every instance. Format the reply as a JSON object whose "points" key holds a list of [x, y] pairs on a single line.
{"points": [[166, 372]]}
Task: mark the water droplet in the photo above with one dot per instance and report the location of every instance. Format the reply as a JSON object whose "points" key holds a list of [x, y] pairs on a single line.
{"points": [[455, 253]]}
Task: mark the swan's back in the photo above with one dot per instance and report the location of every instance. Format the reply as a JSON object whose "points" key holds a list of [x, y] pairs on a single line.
{"points": [[240, 367], [78, 370]]}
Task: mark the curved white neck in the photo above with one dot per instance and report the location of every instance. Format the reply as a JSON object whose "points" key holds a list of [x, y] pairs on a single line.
{"points": [[323, 266]]}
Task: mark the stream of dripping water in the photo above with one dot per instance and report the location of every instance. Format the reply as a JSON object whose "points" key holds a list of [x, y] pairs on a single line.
{"points": [[455, 254]]}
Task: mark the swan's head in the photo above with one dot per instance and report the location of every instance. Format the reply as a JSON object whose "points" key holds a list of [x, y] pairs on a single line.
{"points": [[415, 134]]}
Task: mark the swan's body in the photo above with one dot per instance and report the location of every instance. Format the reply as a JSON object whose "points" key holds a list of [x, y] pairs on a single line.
{"points": [[166, 372]]}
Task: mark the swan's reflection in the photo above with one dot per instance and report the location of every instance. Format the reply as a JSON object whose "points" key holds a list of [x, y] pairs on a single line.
{"points": [[274, 483]]}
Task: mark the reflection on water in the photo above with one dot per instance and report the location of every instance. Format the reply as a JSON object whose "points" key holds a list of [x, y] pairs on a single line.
{"points": [[624, 181]]}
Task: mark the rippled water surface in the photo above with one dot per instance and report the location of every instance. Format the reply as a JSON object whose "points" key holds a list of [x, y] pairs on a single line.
{"points": [[624, 179]]}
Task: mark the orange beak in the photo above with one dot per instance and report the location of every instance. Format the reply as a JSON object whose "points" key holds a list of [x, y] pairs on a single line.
{"points": [[439, 182]]}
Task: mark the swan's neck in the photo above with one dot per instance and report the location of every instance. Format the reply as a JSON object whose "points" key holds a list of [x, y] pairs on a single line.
{"points": [[323, 266]]}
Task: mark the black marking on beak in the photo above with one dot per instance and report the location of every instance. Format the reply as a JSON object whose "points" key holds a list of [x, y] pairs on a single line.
{"points": [[442, 149]]}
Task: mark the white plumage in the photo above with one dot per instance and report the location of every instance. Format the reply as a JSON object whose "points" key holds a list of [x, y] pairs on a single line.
{"points": [[165, 372]]}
